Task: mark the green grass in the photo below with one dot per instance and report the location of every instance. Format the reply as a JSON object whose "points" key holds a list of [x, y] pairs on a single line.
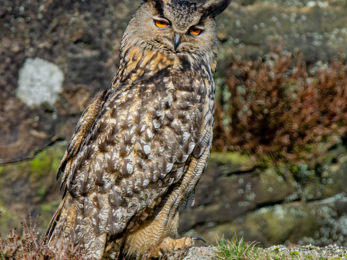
{"points": [[238, 249]]}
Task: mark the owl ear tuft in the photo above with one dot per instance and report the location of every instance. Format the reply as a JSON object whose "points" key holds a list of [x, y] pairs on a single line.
{"points": [[158, 4], [212, 8]]}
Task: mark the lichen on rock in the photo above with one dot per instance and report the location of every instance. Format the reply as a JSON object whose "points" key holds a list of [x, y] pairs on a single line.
{"points": [[39, 81]]}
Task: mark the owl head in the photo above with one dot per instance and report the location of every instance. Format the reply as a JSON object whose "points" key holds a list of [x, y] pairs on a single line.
{"points": [[175, 27]]}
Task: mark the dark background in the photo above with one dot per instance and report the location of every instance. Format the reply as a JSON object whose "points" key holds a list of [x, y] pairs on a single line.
{"points": [[238, 194]]}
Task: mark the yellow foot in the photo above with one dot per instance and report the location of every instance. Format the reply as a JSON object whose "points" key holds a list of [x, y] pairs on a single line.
{"points": [[169, 246]]}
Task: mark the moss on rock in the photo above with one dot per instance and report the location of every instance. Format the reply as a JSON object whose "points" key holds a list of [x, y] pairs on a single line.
{"points": [[30, 187]]}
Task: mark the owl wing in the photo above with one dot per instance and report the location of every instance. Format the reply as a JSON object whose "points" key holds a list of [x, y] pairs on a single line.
{"points": [[139, 145], [82, 129]]}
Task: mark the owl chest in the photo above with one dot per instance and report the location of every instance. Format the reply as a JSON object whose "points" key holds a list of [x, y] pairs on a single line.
{"points": [[157, 126], [181, 118], [192, 103]]}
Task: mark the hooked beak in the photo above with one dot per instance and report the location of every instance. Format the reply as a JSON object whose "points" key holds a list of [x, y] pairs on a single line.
{"points": [[177, 40]]}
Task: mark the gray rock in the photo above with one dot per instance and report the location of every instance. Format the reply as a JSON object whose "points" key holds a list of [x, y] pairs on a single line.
{"points": [[200, 253], [196, 253]]}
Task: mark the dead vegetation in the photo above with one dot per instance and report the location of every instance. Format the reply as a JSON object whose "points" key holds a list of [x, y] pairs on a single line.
{"points": [[282, 107], [29, 247]]}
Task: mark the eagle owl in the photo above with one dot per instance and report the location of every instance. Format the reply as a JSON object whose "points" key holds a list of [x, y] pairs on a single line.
{"points": [[140, 147]]}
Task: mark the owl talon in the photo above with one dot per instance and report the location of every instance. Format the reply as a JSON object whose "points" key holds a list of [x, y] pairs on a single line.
{"points": [[163, 252], [169, 246], [198, 238]]}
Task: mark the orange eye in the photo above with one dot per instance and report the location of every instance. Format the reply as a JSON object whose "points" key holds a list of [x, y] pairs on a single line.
{"points": [[161, 24], [195, 31]]}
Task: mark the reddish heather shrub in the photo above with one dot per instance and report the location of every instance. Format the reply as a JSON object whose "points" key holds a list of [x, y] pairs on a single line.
{"points": [[29, 246], [281, 108]]}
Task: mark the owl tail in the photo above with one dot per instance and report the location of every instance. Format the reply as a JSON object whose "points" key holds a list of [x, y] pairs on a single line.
{"points": [[53, 223], [70, 227]]}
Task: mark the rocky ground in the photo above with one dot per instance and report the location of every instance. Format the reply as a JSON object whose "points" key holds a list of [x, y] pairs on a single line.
{"points": [[309, 252], [332, 251], [72, 48], [199, 253]]}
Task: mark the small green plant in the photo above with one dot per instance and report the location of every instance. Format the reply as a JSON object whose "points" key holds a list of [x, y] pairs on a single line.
{"points": [[238, 249], [234, 249]]}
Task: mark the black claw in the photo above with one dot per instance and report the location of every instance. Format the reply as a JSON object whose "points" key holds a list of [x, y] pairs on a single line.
{"points": [[162, 251], [198, 238]]}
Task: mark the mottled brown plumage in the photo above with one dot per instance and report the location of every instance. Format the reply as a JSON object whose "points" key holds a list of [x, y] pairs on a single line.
{"points": [[140, 148]]}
